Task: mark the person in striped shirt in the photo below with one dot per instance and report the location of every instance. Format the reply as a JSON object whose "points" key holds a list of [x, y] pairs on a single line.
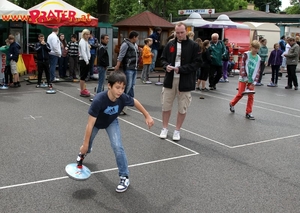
{"points": [[73, 56]]}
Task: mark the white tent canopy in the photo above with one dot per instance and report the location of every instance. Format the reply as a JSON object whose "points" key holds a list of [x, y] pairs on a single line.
{"points": [[8, 8], [223, 21], [194, 20], [269, 31]]}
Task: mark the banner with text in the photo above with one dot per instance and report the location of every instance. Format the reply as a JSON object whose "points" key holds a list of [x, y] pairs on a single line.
{"points": [[200, 11]]}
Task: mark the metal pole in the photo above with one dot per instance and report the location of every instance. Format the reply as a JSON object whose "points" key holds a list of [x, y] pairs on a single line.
{"points": [[27, 37]]}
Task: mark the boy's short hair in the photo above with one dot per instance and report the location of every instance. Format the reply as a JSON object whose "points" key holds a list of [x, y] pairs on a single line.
{"points": [[41, 35], [133, 34], [116, 76], [11, 37], [190, 34], [255, 44], [291, 39], [156, 29], [146, 41], [263, 40], [74, 36], [103, 36], [55, 29]]}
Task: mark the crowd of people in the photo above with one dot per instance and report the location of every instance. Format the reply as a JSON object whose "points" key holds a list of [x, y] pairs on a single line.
{"points": [[84, 56], [188, 64]]}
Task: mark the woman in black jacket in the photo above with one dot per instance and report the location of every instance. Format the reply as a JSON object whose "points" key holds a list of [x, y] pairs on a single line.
{"points": [[205, 67]]}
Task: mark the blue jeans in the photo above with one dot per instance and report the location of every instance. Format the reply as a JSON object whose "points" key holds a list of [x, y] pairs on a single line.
{"points": [[53, 62], [152, 66], [101, 79], [91, 63], [62, 66], [114, 134], [131, 78]]}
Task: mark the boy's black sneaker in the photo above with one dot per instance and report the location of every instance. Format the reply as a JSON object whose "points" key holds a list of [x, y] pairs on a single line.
{"points": [[250, 116], [231, 108]]}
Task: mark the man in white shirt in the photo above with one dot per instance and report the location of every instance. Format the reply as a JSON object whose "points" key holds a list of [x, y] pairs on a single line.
{"points": [[55, 52]]}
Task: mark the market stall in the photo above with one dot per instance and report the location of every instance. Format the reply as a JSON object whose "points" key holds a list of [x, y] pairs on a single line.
{"points": [[16, 17]]}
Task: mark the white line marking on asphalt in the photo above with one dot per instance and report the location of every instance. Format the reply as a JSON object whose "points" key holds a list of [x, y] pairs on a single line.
{"points": [[265, 141], [209, 139], [158, 135], [95, 172], [133, 123], [24, 92], [33, 117], [256, 101]]}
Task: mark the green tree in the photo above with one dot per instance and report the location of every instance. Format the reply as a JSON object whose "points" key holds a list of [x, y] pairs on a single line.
{"points": [[26, 4], [273, 5], [294, 9]]}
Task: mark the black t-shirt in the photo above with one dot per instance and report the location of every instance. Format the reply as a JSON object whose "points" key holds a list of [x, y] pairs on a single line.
{"points": [[105, 110]]}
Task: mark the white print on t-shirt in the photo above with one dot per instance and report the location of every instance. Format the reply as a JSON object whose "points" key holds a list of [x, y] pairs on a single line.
{"points": [[178, 59]]}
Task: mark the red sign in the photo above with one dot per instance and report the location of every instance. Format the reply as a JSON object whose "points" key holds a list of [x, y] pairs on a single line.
{"points": [[38, 16], [59, 18]]}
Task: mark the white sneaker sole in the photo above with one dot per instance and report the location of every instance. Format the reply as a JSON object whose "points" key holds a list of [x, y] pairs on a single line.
{"points": [[163, 137]]}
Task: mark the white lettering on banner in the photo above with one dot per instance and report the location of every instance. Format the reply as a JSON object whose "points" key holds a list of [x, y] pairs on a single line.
{"points": [[200, 11]]}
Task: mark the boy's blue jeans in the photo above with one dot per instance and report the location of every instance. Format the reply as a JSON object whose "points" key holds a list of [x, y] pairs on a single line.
{"points": [[152, 66], [114, 134], [131, 79]]}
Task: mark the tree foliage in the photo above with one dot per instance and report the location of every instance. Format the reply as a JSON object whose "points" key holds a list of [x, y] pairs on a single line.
{"points": [[294, 9], [273, 5]]}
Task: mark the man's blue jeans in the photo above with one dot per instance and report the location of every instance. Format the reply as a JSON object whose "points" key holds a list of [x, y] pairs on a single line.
{"points": [[91, 63], [152, 66], [53, 59], [101, 79], [131, 79], [114, 134]]}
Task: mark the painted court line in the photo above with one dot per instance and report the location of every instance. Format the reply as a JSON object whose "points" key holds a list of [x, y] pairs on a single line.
{"points": [[132, 123], [201, 136], [95, 172], [266, 141], [256, 101], [157, 136]]}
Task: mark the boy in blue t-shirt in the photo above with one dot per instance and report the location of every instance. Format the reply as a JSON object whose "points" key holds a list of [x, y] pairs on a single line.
{"points": [[103, 114]]}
